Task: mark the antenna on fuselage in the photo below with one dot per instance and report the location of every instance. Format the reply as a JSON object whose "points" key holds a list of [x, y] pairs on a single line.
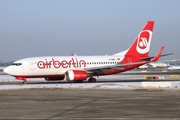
{"points": [[72, 54]]}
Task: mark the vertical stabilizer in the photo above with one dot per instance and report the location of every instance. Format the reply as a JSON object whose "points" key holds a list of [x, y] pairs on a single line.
{"points": [[141, 45]]}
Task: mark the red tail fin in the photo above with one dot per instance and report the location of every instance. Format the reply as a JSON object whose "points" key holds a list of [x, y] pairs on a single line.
{"points": [[141, 45]]}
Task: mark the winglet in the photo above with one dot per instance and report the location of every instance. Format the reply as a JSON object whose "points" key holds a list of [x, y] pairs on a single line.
{"points": [[158, 55]]}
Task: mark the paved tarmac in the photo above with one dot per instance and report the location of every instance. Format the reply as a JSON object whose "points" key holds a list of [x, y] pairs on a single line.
{"points": [[89, 104]]}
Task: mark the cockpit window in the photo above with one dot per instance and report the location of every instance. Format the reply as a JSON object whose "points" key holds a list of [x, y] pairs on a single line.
{"points": [[17, 64]]}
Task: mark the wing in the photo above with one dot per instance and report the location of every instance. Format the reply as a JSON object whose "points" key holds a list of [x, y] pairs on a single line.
{"points": [[111, 67]]}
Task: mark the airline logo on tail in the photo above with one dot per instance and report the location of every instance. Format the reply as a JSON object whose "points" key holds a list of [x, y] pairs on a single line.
{"points": [[141, 45], [144, 40]]}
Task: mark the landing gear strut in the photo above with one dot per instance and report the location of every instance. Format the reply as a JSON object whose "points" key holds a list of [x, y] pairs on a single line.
{"points": [[91, 80]]}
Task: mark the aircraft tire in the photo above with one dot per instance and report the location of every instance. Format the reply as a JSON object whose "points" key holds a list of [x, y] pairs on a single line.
{"points": [[92, 80], [24, 82]]}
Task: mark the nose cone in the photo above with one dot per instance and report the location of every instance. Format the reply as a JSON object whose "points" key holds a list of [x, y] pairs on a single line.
{"points": [[7, 70]]}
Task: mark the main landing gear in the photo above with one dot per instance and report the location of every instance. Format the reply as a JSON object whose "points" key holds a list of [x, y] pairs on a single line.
{"points": [[92, 80]]}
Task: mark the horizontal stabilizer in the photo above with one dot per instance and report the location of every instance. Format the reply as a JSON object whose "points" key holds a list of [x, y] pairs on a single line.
{"points": [[157, 56]]}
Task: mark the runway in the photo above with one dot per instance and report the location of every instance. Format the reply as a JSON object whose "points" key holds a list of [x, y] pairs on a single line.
{"points": [[112, 97]]}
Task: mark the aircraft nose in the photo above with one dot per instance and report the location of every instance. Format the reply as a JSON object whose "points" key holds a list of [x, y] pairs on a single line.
{"points": [[7, 70]]}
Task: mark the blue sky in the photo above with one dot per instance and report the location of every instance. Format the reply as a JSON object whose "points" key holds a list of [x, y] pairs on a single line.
{"points": [[31, 28]]}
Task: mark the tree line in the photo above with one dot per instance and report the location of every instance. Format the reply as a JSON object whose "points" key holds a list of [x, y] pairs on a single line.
{"points": [[5, 63]]}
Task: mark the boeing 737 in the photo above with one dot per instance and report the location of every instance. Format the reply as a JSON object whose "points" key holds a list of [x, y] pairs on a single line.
{"points": [[81, 68]]}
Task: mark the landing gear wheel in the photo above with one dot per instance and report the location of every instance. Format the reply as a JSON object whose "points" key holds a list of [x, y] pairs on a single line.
{"points": [[24, 82], [91, 80]]}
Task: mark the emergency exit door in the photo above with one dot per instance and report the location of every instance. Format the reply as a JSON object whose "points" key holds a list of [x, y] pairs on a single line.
{"points": [[32, 65]]}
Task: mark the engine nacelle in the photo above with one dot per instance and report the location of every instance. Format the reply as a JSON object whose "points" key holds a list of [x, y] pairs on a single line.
{"points": [[54, 78], [76, 75]]}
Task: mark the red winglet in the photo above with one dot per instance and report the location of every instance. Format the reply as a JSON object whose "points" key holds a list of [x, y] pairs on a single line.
{"points": [[158, 55]]}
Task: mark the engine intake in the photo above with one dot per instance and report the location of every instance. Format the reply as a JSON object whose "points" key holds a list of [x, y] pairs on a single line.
{"points": [[76, 75]]}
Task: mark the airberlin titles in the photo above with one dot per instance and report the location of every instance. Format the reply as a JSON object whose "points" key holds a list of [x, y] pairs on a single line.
{"points": [[73, 62]]}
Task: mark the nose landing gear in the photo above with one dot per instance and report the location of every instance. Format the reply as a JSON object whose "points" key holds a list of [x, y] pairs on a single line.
{"points": [[24, 82], [21, 78]]}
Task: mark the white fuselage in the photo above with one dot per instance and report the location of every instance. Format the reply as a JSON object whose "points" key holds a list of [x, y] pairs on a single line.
{"points": [[54, 65]]}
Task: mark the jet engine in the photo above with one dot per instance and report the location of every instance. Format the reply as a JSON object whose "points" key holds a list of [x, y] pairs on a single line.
{"points": [[76, 75]]}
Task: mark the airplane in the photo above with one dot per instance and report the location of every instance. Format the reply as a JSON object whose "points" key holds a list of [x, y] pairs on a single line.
{"points": [[80, 68], [173, 67]]}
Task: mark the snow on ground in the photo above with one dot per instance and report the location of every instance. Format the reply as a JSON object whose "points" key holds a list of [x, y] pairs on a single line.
{"points": [[121, 85], [7, 78], [70, 85], [106, 85]]}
